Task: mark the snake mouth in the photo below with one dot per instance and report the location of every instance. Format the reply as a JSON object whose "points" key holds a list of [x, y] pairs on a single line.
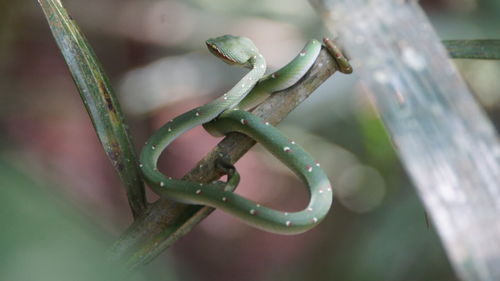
{"points": [[218, 53]]}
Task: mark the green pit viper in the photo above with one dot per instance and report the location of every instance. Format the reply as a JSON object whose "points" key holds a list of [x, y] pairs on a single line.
{"points": [[227, 114]]}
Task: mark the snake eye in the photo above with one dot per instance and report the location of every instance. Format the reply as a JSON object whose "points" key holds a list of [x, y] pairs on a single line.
{"points": [[211, 46], [217, 52]]}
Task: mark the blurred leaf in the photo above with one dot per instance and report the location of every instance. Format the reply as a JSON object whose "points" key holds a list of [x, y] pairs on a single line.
{"points": [[99, 99], [43, 238]]}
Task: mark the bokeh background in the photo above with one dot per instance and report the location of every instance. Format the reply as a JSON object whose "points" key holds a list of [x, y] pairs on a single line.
{"points": [[62, 205]]}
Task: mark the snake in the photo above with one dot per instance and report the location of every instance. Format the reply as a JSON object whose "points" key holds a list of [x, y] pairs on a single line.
{"points": [[228, 113]]}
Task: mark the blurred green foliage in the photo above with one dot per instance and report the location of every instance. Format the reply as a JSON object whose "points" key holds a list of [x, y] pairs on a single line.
{"points": [[44, 237]]}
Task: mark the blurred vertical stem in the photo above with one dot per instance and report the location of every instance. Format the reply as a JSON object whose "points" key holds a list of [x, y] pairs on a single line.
{"points": [[99, 99], [447, 144]]}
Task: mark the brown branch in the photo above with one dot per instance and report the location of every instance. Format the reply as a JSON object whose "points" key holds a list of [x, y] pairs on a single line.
{"points": [[167, 221]]}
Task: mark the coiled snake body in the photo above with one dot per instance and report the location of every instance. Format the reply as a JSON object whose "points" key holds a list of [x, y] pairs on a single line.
{"points": [[226, 114]]}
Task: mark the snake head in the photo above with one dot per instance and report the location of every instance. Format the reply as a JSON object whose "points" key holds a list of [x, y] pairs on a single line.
{"points": [[234, 50]]}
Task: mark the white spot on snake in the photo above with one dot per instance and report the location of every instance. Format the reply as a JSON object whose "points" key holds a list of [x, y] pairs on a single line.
{"points": [[329, 189], [302, 53], [288, 223], [254, 57], [320, 64], [141, 165], [169, 129], [315, 220], [198, 191], [267, 123], [261, 66], [201, 184], [243, 85], [253, 212], [317, 165], [273, 75], [170, 178], [201, 165], [162, 184], [243, 121], [310, 209], [197, 114], [309, 168], [225, 98], [286, 149], [321, 191], [224, 199], [292, 142], [286, 214], [258, 205], [153, 147]]}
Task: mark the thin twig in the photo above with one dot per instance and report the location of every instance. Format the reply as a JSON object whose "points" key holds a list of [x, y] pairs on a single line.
{"points": [[166, 221]]}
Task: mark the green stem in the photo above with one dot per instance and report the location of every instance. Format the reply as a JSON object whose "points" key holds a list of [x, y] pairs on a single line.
{"points": [[473, 49], [99, 99]]}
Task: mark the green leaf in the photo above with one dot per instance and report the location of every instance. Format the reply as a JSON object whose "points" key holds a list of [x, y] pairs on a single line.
{"points": [[99, 99], [473, 49]]}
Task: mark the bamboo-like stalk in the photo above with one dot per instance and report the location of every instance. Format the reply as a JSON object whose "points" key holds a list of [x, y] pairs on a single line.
{"points": [[100, 101]]}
